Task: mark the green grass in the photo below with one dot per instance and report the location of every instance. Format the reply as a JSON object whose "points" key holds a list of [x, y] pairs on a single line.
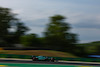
{"points": [[38, 53]]}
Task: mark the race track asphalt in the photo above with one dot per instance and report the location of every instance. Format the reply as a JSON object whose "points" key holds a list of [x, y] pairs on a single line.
{"points": [[45, 62]]}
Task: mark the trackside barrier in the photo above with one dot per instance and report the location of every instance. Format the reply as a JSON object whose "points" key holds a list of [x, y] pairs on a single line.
{"points": [[78, 59], [57, 58], [15, 56]]}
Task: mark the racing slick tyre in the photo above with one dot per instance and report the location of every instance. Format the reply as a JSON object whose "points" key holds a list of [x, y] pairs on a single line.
{"points": [[52, 59], [34, 59]]}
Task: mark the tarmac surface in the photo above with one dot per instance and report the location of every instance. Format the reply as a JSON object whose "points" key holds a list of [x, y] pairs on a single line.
{"points": [[10, 60]]}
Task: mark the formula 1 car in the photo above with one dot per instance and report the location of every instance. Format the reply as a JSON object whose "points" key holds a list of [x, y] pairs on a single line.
{"points": [[42, 58]]}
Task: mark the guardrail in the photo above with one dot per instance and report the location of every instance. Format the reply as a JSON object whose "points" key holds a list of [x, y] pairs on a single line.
{"points": [[15, 56], [57, 58], [78, 59]]}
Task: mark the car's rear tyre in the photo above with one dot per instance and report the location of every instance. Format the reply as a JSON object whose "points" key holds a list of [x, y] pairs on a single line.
{"points": [[34, 59], [52, 59]]}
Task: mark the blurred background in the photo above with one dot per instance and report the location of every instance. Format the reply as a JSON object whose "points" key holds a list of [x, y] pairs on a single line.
{"points": [[58, 28]]}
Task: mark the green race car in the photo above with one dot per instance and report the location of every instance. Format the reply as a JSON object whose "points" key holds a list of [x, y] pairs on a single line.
{"points": [[42, 58]]}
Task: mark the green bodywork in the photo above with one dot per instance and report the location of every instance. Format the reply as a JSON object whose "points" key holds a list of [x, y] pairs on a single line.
{"points": [[42, 57]]}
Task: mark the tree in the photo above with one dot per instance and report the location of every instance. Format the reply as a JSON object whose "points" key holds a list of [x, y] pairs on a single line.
{"points": [[7, 22], [6, 18], [20, 31], [57, 34], [31, 40]]}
